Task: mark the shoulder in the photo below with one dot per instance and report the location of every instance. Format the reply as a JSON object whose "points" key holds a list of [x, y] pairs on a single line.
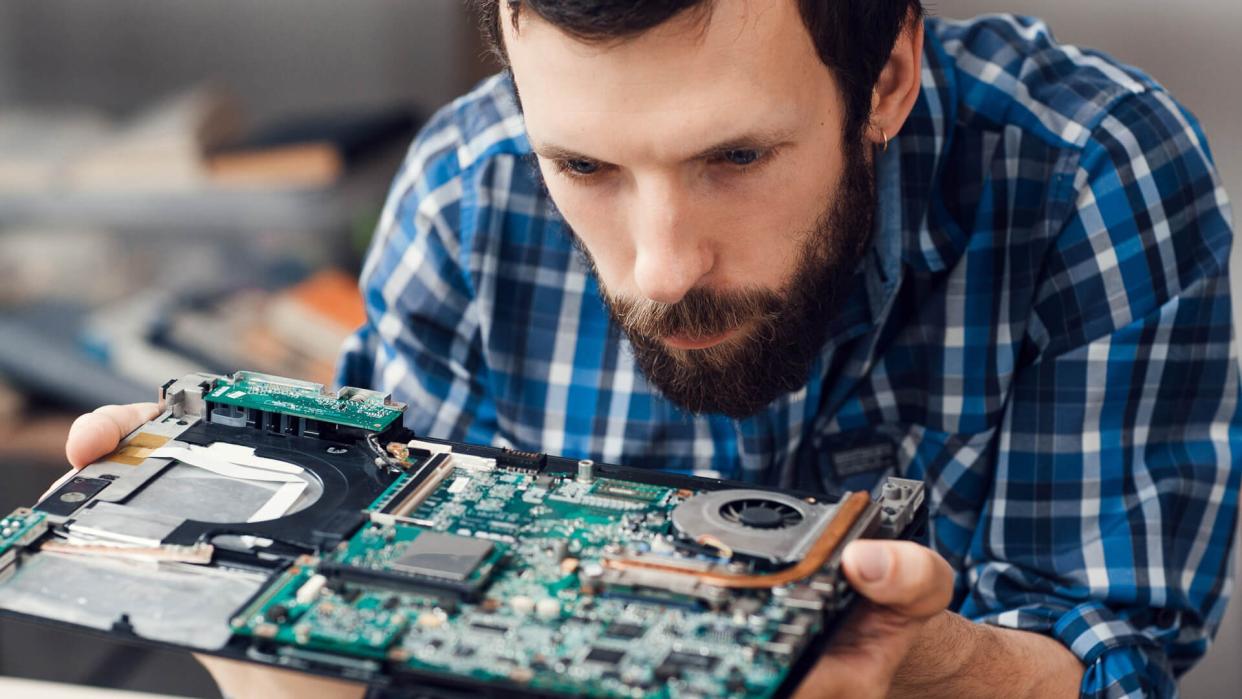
{"points": [[469, 131], [1011, 71], [1148, 221], [420, 233], [1069, 123], [1013, 112], [482, 124], [1123, 207], [446, 174]]}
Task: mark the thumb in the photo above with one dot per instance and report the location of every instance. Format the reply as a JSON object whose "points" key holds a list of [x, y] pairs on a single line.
{"points": [[906, 577], [94, 435]]}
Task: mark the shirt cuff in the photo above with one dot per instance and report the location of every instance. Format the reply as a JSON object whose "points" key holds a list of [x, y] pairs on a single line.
{"points": [[1119, 660]]}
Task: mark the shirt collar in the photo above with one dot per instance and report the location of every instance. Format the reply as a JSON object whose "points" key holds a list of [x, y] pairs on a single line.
{"points": [[930, 241], [908, 227]]}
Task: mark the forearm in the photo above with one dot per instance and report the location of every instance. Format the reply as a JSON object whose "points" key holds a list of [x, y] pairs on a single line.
{"points": [[955, 657]]}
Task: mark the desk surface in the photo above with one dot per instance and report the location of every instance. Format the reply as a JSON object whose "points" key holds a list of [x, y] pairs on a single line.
{"points": [[20, 688]]}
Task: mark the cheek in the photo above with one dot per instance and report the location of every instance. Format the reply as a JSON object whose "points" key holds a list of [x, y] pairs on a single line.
{"points": [[597, 218], [764, 227], [758, 242]]}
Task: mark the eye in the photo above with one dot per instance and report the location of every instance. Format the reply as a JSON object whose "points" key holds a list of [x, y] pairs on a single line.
{"points": [[740, 156], [578, 167]]}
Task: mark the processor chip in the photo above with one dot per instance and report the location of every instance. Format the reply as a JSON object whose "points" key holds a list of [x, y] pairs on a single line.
{"points": [[605, 656], [437, 555]]}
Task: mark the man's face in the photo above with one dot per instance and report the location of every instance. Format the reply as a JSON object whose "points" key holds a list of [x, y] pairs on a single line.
{"points": [[703, 170]]}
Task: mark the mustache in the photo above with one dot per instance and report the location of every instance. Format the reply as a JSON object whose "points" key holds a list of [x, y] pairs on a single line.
{"points": [[700, 313]]}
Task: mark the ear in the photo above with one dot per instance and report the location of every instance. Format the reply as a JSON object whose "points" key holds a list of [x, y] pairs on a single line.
{"points": [[898, 85]]}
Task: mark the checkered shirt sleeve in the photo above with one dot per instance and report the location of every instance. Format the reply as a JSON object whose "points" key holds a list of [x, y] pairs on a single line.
{"points": [[1112, 512]]}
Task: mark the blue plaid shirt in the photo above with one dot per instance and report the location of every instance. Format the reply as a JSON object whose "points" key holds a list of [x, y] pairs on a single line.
{"points": [[1041, 332]]}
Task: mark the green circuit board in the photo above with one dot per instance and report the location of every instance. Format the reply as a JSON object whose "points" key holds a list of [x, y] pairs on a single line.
{"points": [[349, 407], [19, 528], [426, 563], [517, 602]]}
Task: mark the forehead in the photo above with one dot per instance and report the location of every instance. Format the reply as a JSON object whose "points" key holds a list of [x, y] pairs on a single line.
{"points": [[744, 64]]}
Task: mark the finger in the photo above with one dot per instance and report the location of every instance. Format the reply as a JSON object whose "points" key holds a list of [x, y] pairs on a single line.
{"points": [[95, 434], [901, 575]]}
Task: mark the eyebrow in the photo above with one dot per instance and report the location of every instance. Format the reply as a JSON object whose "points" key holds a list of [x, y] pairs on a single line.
{"points": [[758, 140]]}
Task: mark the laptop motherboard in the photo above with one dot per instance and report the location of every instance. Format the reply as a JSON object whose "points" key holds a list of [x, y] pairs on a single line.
{"points": [[267, 519]]}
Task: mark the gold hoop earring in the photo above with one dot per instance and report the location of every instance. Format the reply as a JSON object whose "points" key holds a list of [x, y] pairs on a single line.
{"points": [[884, 148]]}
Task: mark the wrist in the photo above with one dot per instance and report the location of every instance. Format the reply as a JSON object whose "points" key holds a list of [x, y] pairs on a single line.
{"points": [[943, 650], [956, 657]]}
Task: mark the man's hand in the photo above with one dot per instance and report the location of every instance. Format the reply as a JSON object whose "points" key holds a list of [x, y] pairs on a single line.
{"points": [[903, 585], [96, 434], [901, 641]]}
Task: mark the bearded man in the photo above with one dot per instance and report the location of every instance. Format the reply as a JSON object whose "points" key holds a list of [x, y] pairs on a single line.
{"points": [[812, 243]]}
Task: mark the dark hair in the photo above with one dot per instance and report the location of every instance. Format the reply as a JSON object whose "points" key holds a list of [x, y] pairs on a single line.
{"points": [[853, 37]]}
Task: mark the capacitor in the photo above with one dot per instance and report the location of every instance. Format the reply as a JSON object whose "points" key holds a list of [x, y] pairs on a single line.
{"points": [[548, 608], [431, 620], [278, 613], [310, 589], [586, 471], [661, 545], [522, 604]]}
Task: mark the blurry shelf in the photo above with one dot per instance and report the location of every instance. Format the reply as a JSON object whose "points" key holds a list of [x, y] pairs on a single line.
{"points": [[40, 354], [242, 210], [235, 210]]}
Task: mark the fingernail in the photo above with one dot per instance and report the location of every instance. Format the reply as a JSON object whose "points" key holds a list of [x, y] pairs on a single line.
{"points": [[871, 561]]}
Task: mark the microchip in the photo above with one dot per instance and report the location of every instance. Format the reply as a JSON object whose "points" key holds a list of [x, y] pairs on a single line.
{"points": [[625, 631], [491, 628], [633, 492], [438, 555], [694, 661], [605, 656]]}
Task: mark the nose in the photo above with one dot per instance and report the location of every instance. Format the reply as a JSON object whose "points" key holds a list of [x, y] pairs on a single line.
{"points": [[670, 255]]}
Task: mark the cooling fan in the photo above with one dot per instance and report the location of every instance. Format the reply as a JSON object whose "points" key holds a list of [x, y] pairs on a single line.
{"points": [[761, 514], [769, 526]]}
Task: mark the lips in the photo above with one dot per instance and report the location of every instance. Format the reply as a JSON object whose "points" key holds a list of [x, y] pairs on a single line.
{"points": [[689, 342]]}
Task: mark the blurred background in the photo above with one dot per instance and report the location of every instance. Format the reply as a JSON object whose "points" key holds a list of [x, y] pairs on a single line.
{"points": [[191, 185]]}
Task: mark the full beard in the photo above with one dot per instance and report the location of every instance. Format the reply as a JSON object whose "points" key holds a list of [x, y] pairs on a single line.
{"points": [[785, 330]]}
